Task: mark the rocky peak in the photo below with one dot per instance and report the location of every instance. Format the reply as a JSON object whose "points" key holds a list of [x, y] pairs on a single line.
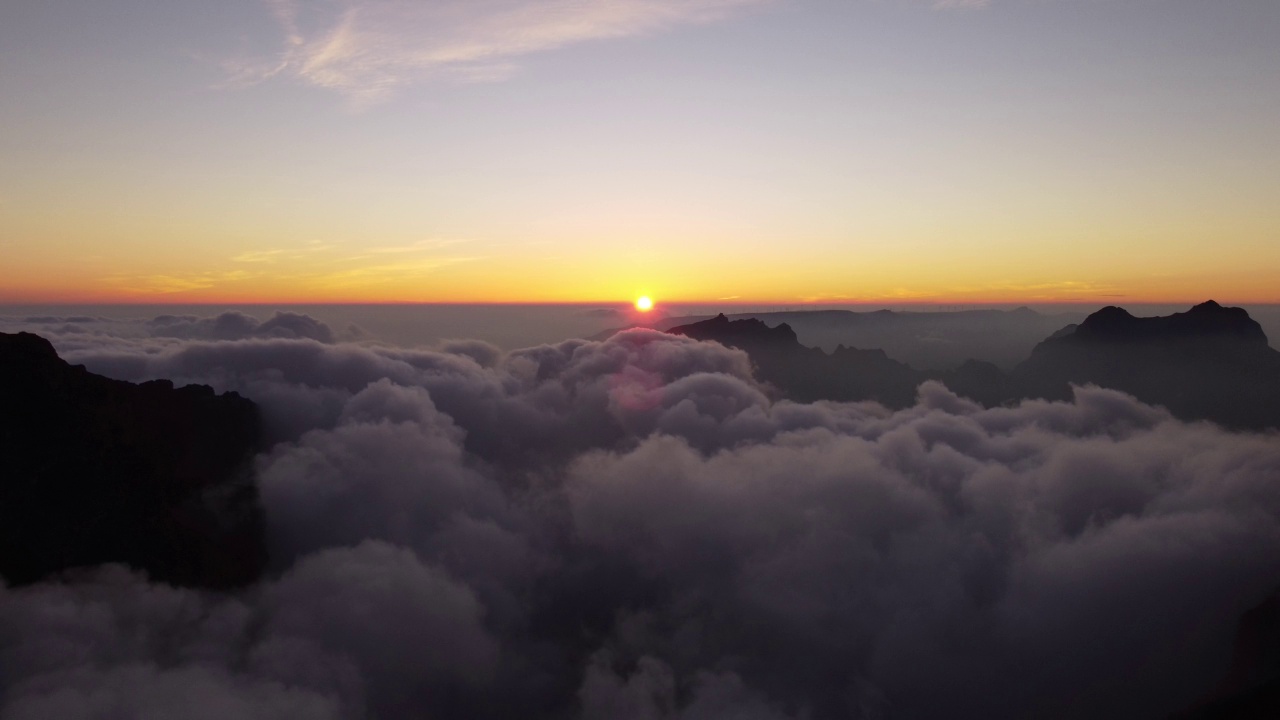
{"points": [[1206, 321], [740, 333]]}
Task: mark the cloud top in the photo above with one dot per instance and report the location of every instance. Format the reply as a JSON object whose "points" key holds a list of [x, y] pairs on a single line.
{"points": [[635, 528]]}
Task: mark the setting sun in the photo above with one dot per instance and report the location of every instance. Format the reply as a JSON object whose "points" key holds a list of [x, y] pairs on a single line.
{"points": [[644, 303]]}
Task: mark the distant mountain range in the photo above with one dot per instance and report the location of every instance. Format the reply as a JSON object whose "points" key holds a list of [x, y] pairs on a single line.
{"points": [[806, 374], [924, 340], [1209, 363]]}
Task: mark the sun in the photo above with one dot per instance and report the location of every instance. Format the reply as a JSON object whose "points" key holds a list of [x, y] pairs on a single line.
{"points": [[644, 303]]}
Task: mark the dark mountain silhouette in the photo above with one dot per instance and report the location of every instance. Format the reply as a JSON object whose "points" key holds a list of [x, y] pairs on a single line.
{"points": [[94, 470], [982, 381], [1251, 689], [930, 341], [807, 374], [1210, 363]]}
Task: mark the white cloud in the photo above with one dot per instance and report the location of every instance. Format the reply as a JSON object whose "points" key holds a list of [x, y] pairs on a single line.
{"points": [[961, 4], [367, 49]]}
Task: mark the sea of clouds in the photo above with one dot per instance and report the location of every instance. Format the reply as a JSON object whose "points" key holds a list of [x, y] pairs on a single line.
{"points": [[637, 529]]}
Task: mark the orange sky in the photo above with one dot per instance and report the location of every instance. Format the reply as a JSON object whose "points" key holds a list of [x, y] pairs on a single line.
{"points": [[754, 151]]}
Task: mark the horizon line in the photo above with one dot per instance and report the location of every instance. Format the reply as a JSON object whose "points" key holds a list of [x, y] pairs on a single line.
{"points": [[798, 305]]}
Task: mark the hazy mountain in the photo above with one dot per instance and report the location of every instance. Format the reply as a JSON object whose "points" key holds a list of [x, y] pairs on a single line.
{"points": [[1210, 363], [931, 341], [807, 374], [98, 470]]}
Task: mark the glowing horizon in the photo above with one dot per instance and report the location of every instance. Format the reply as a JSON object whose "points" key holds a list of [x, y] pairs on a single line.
{"points": [[701, 151]]}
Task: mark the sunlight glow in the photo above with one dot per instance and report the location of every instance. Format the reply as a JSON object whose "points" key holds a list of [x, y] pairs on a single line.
{"points": [[644, 303]]}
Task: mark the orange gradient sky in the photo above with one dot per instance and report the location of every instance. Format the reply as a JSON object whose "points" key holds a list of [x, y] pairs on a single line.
{"points": [[742, 151]]}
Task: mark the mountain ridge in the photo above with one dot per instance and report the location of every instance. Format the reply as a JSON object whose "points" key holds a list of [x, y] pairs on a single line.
{"points": [[97, 470], [1208, 363]]}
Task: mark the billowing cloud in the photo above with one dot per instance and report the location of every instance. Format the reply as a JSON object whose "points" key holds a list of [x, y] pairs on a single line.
{"points": [[142, 335], [367, 49], [234, 325], [636, 529]]}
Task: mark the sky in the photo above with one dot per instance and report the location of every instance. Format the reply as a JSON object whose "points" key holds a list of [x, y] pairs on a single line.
{"points": [[784, 151]]}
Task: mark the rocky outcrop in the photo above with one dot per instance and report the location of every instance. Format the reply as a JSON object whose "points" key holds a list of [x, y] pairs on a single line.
{"points": [[1209, 363], [95, 470], [1207, 321]]}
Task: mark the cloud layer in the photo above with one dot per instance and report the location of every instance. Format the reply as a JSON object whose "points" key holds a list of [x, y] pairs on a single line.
{"points": [[635, 529]]}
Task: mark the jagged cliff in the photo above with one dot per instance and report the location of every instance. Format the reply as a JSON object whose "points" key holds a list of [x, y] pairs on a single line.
{"points": [[94, 470]]}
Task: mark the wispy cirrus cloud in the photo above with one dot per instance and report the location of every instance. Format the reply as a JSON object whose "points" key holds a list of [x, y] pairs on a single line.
{"points": [[416, 247], [369, 49], [383, 273], [177, 282], [961, 4], [311, 265]]}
